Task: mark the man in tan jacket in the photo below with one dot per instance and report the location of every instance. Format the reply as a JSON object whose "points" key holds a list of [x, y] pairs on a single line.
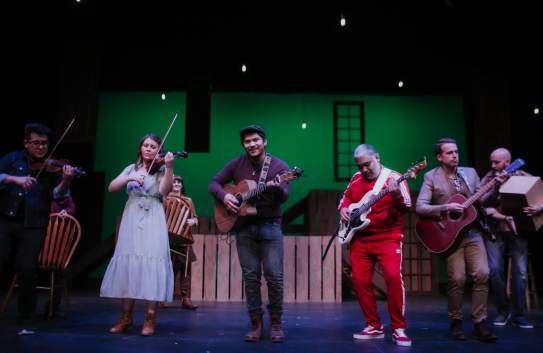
{"points": [[439, 185]]}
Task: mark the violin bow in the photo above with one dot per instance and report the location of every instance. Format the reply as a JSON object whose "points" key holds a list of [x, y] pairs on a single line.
{"points": [[162, 143], [55, 148]]}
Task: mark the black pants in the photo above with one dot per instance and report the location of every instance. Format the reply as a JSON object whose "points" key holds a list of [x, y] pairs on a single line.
{"points": [[179, 264], [25, 244]]}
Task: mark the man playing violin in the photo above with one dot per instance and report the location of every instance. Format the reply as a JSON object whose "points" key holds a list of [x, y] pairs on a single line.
{"points": [[25, 204], [259, 239]]}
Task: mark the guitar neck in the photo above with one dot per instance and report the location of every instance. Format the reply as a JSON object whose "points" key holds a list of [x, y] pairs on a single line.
{"points": [[382, 193], [483, 190], [254, 192]]}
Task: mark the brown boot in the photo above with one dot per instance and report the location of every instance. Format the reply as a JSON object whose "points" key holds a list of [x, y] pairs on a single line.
{"points": [[186, 303], [456, 331], [124, 323], [255, 333], [148, 328], [276, 331], [482, 332]]}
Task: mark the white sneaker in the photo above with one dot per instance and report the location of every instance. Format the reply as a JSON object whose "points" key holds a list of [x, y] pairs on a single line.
{"points": [[370, 332], [400, 338]]}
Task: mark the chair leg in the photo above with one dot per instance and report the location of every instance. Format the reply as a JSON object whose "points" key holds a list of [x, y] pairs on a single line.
{"points": [[51, 293], [8, 294], [66, 297], [186, 263]]}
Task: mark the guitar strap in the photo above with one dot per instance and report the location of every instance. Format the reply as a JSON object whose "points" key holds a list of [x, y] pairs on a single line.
{"points": [[460, 171], [264, 171], [383, 176]]}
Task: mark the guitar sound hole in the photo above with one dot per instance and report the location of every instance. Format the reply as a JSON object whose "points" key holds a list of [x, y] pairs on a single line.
{"points": [[455, 215]]}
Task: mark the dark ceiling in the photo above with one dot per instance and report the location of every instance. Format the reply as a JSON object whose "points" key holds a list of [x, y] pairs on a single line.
{"points": [[434, 46]]}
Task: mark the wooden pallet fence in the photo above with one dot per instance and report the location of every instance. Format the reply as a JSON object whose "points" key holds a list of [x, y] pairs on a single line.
{"points": [[216, 274]]}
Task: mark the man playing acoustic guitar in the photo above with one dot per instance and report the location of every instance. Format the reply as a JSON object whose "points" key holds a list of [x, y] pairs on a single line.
{"points": [[380, 242], [469, 251], [259, 238]]}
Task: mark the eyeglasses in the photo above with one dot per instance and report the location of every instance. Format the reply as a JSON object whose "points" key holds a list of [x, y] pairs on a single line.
{"points": [[37, 143]]}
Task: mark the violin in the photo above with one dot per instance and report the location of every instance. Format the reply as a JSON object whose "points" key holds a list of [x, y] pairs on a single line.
{"points": [[159, 159], [176, 154], [54, 166]]}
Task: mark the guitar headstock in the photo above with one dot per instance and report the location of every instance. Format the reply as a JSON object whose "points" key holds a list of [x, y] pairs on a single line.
{"points": [[291, 174], [516, 165], [416, 167]]}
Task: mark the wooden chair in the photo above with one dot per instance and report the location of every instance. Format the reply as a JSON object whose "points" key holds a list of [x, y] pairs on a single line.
{"points": [[178, 211], [61, 240]]}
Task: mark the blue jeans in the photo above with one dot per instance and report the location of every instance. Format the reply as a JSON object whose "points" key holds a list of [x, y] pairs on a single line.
{"points": [[261, 246], [517, 245]]}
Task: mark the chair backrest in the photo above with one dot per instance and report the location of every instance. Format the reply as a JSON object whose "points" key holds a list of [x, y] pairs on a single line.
{"points": [[178, 211], [61, 240]]}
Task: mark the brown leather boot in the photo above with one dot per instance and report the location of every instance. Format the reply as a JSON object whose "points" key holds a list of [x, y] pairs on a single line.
{"points": [[186, 303], [456, 331], [124, 323], [276, 331], [255, 333], [148, 328], [482, 332]]}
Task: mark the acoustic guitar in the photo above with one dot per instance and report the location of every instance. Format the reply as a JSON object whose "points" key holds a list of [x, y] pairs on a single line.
{"points": [[244, 191], [439, 235]]}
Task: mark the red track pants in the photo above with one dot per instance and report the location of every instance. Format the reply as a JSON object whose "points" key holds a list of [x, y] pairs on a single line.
{"points": [[385, 249]]}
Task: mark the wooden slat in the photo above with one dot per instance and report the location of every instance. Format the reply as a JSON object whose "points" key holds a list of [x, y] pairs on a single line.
{"points": [[289, 265], [302, 275], [338, 272], [328, 270], [315, 275], [210, 267], [197, 270], [223, 270], [236, 289]]}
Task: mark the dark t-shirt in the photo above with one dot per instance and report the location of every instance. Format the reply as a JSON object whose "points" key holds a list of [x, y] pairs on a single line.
{"points": [[242, 168]]}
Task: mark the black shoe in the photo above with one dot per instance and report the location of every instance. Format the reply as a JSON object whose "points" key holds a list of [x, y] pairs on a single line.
{"points": [[456, 331], [521, 322], [482, 332], [502, 319]]}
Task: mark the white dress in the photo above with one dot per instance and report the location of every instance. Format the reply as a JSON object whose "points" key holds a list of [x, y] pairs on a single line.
{"points": [[141, 267]]}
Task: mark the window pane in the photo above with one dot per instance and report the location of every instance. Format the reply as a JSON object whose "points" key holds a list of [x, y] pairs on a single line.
{"points": [[348, 125]]}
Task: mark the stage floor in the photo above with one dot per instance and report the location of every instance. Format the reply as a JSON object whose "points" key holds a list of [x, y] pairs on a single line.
{"points": [[219, 327]]}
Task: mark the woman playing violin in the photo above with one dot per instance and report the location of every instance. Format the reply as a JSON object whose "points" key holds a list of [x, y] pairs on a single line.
{"points": [[141, 267], [25, 203]]}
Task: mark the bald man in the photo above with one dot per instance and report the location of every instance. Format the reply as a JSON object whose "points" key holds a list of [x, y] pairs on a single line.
{"points": [[505, 241]]}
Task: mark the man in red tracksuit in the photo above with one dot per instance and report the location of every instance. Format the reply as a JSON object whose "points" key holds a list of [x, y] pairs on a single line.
{"points": [[380, 241]]}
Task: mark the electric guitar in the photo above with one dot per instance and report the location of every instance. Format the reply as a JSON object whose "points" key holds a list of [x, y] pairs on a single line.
{"points": [[439, 235], [244, 191], [360, 210]]}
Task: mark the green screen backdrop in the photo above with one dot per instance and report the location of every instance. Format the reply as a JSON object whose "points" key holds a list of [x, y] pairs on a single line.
{"points": [[402, 128]]}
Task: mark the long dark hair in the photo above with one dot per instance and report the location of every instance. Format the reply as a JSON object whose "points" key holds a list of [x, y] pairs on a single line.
{"points": [[139, 160]]}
